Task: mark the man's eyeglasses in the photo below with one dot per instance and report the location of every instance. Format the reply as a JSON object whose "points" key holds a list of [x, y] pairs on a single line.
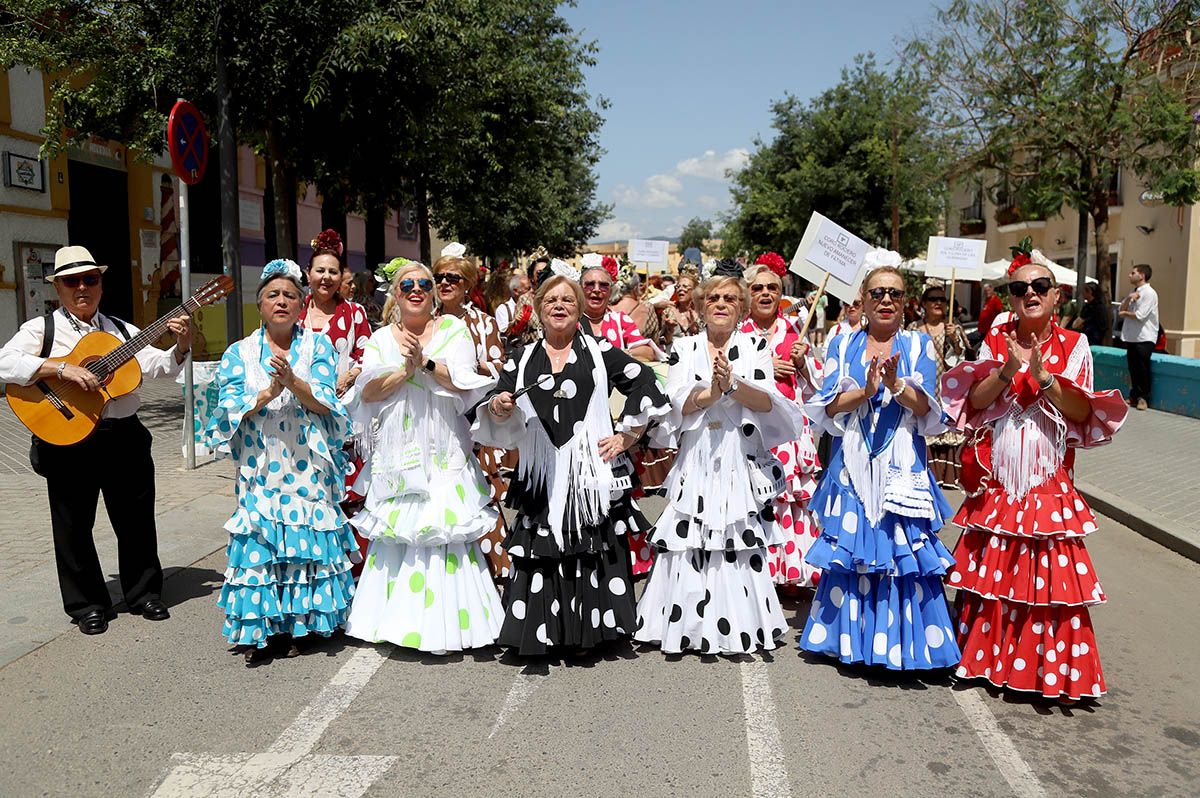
{"points": [[407, 286], [73, 280], [1041, 286], [594, 285], [758, 288], [447, 277], [879, 293]]}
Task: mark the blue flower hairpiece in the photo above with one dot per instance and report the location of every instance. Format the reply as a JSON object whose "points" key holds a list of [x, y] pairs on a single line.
{"points": [[282, 267]]}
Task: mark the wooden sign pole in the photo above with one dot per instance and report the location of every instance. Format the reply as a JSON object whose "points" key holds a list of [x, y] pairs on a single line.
{"points": [[812, 312]]}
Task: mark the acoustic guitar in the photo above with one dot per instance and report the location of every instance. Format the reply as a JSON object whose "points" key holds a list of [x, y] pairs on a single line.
{"points": [[60, 412]]}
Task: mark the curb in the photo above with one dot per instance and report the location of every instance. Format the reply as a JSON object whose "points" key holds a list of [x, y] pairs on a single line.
{"points": [[1146, 523]]}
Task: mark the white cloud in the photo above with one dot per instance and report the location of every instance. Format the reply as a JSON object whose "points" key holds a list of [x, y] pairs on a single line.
{"points": [[615, 230], [712, 166], [658, 191], [706, 202]]}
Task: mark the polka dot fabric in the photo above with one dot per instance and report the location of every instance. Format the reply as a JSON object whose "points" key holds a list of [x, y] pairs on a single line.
{"points": [[1024, 575], [288, 566]]}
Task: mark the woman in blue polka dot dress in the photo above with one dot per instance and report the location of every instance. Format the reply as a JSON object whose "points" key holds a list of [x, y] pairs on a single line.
{"points": [[279, 419], [879, 600]]}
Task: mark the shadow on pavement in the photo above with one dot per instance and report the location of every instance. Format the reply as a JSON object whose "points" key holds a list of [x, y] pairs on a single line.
{"points": [[179, 585]]}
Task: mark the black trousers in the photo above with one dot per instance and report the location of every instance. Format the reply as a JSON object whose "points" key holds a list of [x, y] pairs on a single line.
{"points": [[115, 461], [1137, 356]]}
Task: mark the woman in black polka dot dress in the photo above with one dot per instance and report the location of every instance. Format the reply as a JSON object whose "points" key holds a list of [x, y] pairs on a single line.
{"points": [[710, 589], [570, 585]]}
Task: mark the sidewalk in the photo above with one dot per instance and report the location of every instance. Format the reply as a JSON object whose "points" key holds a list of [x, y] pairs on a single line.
{"points": [[1148, 479], [191, 508]]}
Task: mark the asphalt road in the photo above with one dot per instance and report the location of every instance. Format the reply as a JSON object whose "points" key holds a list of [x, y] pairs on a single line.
{"points": [[165, 709]]}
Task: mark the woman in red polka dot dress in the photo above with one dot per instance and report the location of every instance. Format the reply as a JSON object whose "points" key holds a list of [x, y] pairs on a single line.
{"points": [[345, 323], [1024, 577], [796, 374]]}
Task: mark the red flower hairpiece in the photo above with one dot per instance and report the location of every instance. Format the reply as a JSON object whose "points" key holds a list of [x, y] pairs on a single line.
{"points": [[328, 240], [773, 261], [1022, 254], [610, 265]]}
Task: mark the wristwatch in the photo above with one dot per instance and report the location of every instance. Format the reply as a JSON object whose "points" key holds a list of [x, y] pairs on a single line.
{"points": [[430, 365], [733, 386]]}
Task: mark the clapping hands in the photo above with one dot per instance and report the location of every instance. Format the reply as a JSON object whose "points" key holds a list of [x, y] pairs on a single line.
{"points": [[883, 372], [722, 373]]}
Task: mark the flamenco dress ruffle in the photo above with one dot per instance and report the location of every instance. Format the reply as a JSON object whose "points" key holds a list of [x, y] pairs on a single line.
{"points": [[1024, 576], [796, 526], [288, 565]]}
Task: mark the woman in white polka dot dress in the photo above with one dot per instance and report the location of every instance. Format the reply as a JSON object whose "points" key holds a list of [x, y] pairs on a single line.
{"points": [[710, 589], [1025, 579], [879, 600], [425, 584], [571, 582], [280, 420]]}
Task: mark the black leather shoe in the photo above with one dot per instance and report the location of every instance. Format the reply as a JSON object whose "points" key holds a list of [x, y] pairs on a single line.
{"points": [[94, 623], [152, 610]]}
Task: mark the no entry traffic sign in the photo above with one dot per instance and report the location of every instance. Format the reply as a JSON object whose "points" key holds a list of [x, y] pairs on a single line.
{"points": [[188, 142]]}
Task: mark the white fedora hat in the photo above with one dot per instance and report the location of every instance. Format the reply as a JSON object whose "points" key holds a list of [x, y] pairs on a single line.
{"points": [[73, 260]]}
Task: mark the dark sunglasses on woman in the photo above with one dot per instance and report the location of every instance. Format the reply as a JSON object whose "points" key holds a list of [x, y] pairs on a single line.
{"points": [[73, 280], [407, 285], [935, 298], [1041, 286], [879, 293], [447, 277]]}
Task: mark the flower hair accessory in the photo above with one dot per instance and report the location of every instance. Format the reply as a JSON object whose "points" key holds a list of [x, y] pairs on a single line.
{"points": [[879, 257], [453, 250], [610, 265], [1022, 254], [328, 240], [282, 267], [728, 267], [773, 261], [564, 269], [592, 260], [387, 271]]}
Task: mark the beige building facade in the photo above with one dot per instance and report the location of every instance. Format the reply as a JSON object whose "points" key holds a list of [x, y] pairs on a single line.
{"points": [[1140, 230]]}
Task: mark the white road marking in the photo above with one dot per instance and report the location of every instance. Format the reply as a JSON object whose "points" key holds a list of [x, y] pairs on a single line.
{"points": [[1016, 771], [523, 686], [288, 769], [768, 773]]}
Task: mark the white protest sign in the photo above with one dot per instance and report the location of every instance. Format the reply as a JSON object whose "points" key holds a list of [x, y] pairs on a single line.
{"points": [[957, 258], [642, 250], [829, 249]]}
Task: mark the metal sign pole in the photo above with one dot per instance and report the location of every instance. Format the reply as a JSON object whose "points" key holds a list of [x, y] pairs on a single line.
{"points": [[185, 284]]}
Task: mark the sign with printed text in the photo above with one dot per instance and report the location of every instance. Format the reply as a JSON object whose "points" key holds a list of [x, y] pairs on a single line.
{"points": [[830, 249], [960, 258], [643, 250]]}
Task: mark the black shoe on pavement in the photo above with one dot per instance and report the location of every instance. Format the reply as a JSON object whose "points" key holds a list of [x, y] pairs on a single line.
{"points": [[94, 623], [152, 610]]}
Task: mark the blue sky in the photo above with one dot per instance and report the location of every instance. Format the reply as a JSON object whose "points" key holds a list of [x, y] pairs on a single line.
{"points": [[691, 84]]}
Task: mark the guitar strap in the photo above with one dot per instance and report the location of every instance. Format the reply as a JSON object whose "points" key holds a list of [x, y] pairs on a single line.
{"points": [[48, 334]]}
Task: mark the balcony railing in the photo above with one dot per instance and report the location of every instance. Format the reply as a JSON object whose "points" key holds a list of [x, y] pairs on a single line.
{"points": [[971, 221]]}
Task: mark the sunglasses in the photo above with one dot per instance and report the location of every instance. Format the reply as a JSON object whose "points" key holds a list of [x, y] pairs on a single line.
{"points": [[879, 293], [592, 285], [73, 281], [935, 299], [407, 285], [728, 299], [447, 277], [758, 288], [1041, 286]]}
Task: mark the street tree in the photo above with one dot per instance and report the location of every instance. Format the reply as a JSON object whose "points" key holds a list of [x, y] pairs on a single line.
{"points": [[694, 234], [1049, 98], [862, 153]]}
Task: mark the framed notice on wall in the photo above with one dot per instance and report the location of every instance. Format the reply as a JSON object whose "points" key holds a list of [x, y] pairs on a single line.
{"points": [[24, 171], [34, 263]]}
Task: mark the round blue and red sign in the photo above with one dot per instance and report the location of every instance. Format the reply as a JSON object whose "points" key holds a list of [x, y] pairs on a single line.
{"points": [[187, 142]]}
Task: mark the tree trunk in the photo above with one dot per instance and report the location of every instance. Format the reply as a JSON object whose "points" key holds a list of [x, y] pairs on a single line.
{"points": [[283, 181], [270, 242], [375, 244], [896, 189], [231, 252], [1100, 236], [423, 224], [1081, 243], [333, 213]]}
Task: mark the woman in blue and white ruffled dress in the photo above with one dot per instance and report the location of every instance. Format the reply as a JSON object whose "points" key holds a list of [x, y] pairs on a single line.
{"points": [[279, 418], [880, 600]]}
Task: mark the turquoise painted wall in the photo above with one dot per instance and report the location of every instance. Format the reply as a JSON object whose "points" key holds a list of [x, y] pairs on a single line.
{"points": [[1176, 387]]}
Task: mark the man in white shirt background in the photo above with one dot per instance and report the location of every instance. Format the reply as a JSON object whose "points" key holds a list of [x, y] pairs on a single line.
{"points": [[1139, 331], [114, 460], [518, 284]]}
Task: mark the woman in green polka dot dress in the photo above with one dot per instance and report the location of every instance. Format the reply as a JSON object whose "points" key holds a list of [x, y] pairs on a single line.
{"points": [[278, 417], [425, 584]]}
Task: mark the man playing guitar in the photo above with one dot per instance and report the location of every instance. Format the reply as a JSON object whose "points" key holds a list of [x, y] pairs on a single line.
{"points": [[114, 460]]}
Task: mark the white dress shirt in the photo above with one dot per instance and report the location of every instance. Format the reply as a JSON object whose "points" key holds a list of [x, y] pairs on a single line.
{"points": [[1144, 326], [20, 357], [504, 314]]}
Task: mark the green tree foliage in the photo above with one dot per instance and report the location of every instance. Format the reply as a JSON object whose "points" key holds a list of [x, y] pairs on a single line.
{"points": [[1048, 98], [694, 234], [862, 153]]}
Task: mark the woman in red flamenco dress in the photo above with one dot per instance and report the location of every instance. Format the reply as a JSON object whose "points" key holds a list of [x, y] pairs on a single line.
{"points": [[1024, 578]]}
